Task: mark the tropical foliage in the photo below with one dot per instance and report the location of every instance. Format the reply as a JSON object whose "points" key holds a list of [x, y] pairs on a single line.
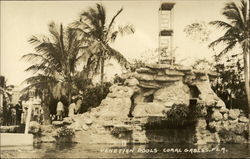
{"points": [[237, 31], [180, 115], [54, 63], [93, 24], [198, 31], [57, 57], [93, 96], [65, 132], [229, 85], [203, 64]]}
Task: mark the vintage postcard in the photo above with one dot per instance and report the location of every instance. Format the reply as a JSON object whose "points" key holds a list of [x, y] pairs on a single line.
{"points": [[125, 79]]}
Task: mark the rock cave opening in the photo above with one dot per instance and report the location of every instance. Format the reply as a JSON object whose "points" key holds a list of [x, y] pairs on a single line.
{"points": [[149, 98], [132, 106], [194, 91], [192, 103]]}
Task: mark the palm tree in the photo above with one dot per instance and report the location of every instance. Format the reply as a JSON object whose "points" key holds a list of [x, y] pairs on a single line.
{"points": [[54, 63], [93, 24], [237, 32]]}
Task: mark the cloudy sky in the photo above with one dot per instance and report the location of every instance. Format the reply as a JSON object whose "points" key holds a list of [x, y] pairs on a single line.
{"points": [[20, 20]]}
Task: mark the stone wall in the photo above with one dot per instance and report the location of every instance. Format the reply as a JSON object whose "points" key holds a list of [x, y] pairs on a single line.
{"points": [[231, 125]]}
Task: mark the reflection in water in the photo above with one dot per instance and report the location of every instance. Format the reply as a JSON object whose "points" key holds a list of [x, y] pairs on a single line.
{"points": [[151, 150]]}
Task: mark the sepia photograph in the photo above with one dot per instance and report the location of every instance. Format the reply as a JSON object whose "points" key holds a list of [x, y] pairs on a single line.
{"points": [[125, 79]]}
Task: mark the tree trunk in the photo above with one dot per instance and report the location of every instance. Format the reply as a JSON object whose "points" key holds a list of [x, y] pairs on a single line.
{"points": [[46, 111], [247, 67], [102, 72], [70, 96], [46, 115], [247, 81]]}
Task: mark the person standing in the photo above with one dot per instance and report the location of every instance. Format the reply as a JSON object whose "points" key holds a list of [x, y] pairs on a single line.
{"points": [[78, 106], [13, 115], [18, 114], [8, 114], [59, 110], [41, 116], [25, 113], [72, 109], [35, 114], [5, 113]]}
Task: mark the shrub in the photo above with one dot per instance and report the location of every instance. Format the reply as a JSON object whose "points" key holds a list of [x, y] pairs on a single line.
{"points": [[34, 128], [229, 85], [136, 63], [197, 111], [93, 96], [118, 79], [65, 132], [115, 132], [178, 114], [182, 114]]}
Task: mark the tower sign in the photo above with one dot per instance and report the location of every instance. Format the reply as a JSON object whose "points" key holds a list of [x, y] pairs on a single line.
{"points": [[166, 32]]}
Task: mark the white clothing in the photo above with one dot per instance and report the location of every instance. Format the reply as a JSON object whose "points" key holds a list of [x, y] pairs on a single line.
{"points": [[60, 106], [72, 108]]}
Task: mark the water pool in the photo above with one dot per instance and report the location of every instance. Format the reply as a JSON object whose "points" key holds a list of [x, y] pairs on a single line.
{"points": [[151, 150]]}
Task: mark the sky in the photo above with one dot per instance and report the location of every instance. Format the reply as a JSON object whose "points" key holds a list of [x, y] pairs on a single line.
{"points": [[22, 19]]}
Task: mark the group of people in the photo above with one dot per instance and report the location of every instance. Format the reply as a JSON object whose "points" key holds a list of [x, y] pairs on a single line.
{"points": [[74, 108], [12, 114], [16, 114], [37, 114]]}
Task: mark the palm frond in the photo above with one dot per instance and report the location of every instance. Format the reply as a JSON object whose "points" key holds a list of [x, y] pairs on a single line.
{"points": [[60, 89], [39, 77], [113, 36], [223, 39], [92, 23], [113, 19], [128, 29], [122, 30], [237, 29], [230, 46], [33, 57], [61, 41], [117, 55], [53, 30], [232, 11], [35, 68], [39, 82], [243, 11], [82, 27], [101, 14], [221, 24], [91, 18]]}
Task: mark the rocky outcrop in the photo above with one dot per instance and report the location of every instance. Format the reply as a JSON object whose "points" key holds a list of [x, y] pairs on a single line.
{"points": [[172, 83], [234, 114], [117, 103], [143, 100], [149, 109], [96, 125], [231, 125], [217, 115], [204, 136], [207, 95], [151, 92], [177, 93], [243, 119]]}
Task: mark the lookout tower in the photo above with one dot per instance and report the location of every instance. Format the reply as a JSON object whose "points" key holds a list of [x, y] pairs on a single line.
{"points": [[166, 32]]}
